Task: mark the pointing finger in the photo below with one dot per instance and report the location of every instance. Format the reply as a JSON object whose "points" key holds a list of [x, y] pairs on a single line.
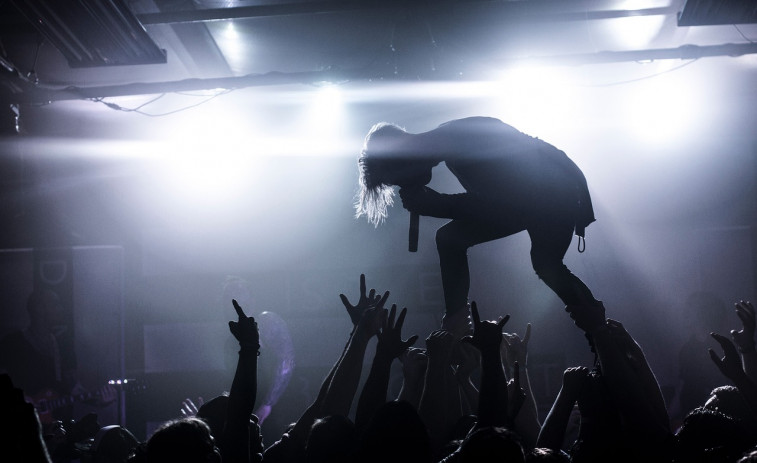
{"points": [[240, 312], [474, 313]]}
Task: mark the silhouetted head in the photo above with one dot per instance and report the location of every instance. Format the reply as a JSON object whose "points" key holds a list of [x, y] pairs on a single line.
{"points": [[332, 439], [386, 161], [706, 434], [187, 440], [111, 444], [491, 445], [396, 434], [728, 400]]}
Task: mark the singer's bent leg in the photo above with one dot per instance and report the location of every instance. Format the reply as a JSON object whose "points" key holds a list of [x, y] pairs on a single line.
{"points": [[452, 242], [550, 239]]}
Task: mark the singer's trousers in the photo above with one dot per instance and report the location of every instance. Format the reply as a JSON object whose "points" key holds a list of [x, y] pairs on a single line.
{"points": [[551, 231]]}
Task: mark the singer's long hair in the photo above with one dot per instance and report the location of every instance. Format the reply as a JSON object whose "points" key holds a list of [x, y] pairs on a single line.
{"points": [[374, 196]]}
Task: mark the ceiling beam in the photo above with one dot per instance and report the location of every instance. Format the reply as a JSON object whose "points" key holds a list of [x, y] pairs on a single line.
{"points": [[32, 94], [536, 10]]}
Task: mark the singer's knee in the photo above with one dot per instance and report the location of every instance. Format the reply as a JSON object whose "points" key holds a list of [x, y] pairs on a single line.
{"points": [[448, 239], [550, 270]]}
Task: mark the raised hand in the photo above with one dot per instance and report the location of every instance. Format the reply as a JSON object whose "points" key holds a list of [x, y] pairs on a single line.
{"points": [[486, 334], [744, 338], [418, 199], [372, 319], [245, 329], [514, 349], [189, 408], [390, 343], [364, 302], [730, 363], [573, 380], [414, 361]]}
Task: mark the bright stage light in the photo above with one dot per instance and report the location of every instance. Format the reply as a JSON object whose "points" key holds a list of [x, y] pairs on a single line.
{"points": [[632, 32], [536, 99], [661, 111], [209, 156], [235, 47], [325, 112]]}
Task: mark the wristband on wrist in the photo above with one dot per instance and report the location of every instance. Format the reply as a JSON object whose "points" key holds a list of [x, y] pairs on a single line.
{"points": [[247, 347]]}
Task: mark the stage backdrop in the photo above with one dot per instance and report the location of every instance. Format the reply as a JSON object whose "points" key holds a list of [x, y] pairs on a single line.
{"points": [[89, 282]]}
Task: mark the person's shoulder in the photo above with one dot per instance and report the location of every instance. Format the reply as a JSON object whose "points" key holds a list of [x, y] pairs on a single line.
{"points": [[473, 120], [480, 125]]}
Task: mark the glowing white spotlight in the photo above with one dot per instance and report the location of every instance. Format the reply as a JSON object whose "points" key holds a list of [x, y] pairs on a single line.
{"points": [[634, 31], [328, 100], [661, 112], [536, 99], [324, 117], [209, 158], [230, 31], [234, 46]]}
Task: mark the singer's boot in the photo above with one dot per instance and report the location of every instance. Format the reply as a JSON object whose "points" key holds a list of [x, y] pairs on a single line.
{"points": [[588, 316], [459, 323]]}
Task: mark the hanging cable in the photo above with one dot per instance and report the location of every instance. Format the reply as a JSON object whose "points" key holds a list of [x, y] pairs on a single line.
{"points": [[138, 110]]}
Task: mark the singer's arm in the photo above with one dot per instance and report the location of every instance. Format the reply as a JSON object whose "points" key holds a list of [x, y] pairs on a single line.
{"points": [[428, 202]]}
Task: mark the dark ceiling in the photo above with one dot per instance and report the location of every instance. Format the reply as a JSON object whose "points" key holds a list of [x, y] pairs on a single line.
{"points": [[72, 49]]}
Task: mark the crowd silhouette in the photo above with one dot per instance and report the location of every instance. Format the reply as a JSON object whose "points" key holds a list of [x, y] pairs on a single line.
{"points": [[465, 397]]}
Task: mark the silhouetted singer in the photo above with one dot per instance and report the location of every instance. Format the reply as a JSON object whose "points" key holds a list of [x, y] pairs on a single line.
{"points": [[513, 182]]}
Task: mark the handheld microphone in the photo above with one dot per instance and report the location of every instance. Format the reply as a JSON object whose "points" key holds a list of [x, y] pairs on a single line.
{"points": [[412, 236], [413, 232]]}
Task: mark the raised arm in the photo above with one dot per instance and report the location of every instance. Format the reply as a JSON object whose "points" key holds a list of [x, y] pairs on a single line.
{"points": [[730, 366], [291, 446], [492, 402], [468, 360], [432, 406], [236, 437], [552, 432], [390, 346], [515, 350], [632, 383], [744, 338], [414, 362], [344, 383]]}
